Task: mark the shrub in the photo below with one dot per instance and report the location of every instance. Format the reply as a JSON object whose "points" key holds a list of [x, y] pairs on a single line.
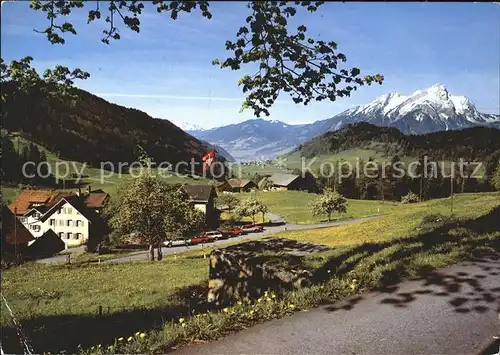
{"points": [[410, 198]]}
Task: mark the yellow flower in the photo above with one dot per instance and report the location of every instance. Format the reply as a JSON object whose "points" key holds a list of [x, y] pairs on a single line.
{"points": [[137, 334], [181, 320], [273, 296], [183, 325], [239, 303], [268, 299], [225, 310], [265, 293], [142, 335], [130, 339], [259, 300], [120, 339], [291, 306], [251, 312]]}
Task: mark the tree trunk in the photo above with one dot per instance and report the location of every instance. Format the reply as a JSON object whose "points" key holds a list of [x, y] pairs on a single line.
{"points": [[151, 254], [263, 216], [329, 216], [159, 253]]}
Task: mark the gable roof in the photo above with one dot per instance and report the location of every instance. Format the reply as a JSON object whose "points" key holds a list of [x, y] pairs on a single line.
{"points": [[199, 193], [25, 200], [96, 199], [13, 231], [78, 203], [281, 179], [241, 183]]}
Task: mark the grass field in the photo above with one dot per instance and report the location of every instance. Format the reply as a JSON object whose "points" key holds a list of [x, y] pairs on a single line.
{"points": [[293, 206], [50, 300], [400, 222]]}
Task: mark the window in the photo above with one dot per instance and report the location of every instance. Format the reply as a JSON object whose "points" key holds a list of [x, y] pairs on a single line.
{"points": [[78, 236], [61, 222], [69, 235], [69, 210], [36, 228], [52, 222], [58, 211], [61, 235], [36, 215], [69, 223], [22, 219], [79, 223]]}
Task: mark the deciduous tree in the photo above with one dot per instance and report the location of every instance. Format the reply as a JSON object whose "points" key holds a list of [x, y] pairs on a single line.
{"points": [[287, 59], [327, 203]]}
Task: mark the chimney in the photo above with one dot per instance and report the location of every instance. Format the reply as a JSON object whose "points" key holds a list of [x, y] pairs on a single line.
{"points": [[90, 189]]}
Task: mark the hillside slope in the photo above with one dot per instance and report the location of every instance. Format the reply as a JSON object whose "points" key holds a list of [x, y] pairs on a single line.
{"points": [[469, 143], [92, 130]]}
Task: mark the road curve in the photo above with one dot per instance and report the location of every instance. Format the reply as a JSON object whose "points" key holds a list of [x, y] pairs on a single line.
{"points": [[450, 311]]}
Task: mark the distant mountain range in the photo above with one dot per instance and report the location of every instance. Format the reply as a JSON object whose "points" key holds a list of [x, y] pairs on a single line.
{"points": [[425, 111]]}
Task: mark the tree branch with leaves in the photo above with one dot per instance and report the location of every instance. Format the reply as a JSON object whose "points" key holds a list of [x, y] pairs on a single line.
{"points": [[288, 60]]}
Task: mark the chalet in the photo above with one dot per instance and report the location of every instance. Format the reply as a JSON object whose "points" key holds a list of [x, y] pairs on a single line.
{"points": [[96, 199], [241, 185], [286, 181], [66, 214], [203, 199]]}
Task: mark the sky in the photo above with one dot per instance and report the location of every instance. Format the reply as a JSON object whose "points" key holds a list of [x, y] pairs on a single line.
{"points": [[166, 70]]}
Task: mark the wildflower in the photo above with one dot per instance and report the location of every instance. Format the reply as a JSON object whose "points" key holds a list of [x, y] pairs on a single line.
{"points": [[183, 325], [120, 339], [273, 296], [130, 339], [181, 320], [251, 312], [268, 299], [240, 303], [142, 335], [98, 346], [137, 334], [291, 306], [259, 300], [225, 310], [265, 293]]}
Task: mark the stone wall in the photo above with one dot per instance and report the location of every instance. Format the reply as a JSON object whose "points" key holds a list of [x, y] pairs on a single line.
{"points": [[236, 274]]}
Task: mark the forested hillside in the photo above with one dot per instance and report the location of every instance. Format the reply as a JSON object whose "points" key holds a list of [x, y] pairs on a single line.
{"points": [[470, 144], [90, 129]]}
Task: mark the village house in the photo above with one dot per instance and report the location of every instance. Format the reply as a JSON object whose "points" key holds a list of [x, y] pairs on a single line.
{"points": [[15, 236], [241, 185], [68, 215], [202, 197], [286, 181]]}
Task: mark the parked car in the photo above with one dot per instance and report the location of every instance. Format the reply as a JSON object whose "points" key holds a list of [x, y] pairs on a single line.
{"points": [[252, 228], [200, 239], [213, 235], [232, 231], [176, 243]]}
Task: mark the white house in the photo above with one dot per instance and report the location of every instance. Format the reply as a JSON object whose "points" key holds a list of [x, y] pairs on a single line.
{"points": [[65, 213]]}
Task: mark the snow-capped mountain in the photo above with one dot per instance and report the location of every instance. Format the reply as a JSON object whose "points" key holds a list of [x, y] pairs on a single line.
{"points": [[186, 126], [424, 111]]}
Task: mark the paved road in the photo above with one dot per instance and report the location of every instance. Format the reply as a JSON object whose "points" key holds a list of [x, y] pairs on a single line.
{"points": [[453, 311], [275, 219], [268, 230]]}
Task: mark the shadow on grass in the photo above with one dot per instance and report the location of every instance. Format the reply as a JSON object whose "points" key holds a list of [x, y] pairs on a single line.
{"points": [[465, 292], [46, 332], [58, 333]]}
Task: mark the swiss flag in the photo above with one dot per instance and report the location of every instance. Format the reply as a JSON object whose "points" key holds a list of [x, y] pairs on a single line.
{"points": [[208, 160]]}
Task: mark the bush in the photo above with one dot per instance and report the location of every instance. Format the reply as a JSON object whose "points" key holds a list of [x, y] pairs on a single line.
{"points": [[410, 198]]}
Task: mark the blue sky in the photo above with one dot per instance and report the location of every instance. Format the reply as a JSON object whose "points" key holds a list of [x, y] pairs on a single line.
{"points": [[166, 69]]}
